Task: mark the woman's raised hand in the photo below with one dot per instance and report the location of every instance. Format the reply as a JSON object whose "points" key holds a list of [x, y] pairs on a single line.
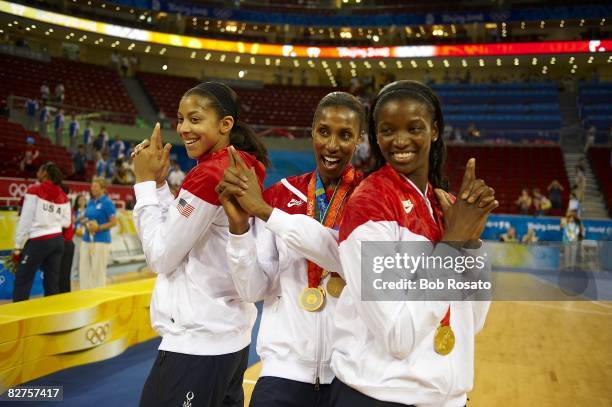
{"points": [[152, 158], [466, 218]]}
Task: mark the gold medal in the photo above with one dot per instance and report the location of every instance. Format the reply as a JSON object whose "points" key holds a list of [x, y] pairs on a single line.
{"points": [[312, 299], [444, 340], [335, 285]]}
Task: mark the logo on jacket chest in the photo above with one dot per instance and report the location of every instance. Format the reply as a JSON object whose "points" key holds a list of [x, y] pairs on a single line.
{"points": [[408, 205], [294, 202]]}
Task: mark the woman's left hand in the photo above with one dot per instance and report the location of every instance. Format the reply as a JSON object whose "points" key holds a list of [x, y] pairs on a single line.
{"points": [[92, 226], [151, 157]]}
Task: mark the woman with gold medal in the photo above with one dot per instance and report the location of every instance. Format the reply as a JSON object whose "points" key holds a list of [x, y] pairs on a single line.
{"points": [[407, 353], [288, 256]]}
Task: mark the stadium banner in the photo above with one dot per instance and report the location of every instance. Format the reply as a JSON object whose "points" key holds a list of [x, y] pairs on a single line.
{"points": [[349, 18], [546, 228], [13, 189], [303, 51]]}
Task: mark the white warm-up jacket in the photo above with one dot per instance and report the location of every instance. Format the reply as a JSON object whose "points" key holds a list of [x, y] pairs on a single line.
{"points": [[195, 306], [385, 349], [269, 263]]}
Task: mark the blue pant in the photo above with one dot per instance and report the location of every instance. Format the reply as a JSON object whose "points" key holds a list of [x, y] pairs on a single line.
{"points": [[178, 379], [278, 392]]}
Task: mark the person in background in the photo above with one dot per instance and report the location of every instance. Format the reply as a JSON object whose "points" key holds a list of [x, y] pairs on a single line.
{"points": [[134, 64], [524, 202], [122, 176], [73, 133], [79, 220], [38, 239], [129, 148], [88, 139], [43, 119], [176, 176], [31, 107], [95, 247], [555, 194], [580, 181], [101, 142], [59, 93], [541, 204], [58, 127], [115, 61], [530, 237], [473, 133], [574, 203], [509, 236], [100, 165], [572, 234], [117, 149], [68, 255], [79, 161], [29, 162], [44, 92], [125, 65]]}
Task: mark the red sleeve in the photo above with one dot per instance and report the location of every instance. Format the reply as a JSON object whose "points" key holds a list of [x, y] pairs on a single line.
{"points": [[203, 179], [370, 202]]}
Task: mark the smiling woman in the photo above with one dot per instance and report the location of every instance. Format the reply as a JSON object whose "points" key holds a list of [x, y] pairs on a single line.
{"points": [[405, 200], [289, 256], [204, 325]]}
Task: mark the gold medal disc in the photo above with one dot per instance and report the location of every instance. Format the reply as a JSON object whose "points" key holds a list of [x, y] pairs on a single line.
{"points": [[312, 299], [444, 340], [334, 286]]}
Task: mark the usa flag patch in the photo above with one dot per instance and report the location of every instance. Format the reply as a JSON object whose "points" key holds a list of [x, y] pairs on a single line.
{"points": [[184, 208]]}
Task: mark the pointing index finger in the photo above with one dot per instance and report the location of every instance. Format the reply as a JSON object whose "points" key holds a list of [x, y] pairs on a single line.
{"points": [[156, 139], [468, 178]]}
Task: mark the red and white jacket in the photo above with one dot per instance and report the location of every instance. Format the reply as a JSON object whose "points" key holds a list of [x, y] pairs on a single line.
{"points": [[269, 262], [46, 210], [195, 306], [384, 349]]}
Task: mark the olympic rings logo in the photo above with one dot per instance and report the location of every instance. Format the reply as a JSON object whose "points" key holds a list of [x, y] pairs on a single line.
{"points": [[188, 397], [96, 335], [17, 190]]}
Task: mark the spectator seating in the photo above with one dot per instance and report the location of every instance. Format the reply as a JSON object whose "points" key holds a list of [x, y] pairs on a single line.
{"points": [[272, 105], [13, 144], [507, 106], [509, 169], [601, 164], [88, 86]]}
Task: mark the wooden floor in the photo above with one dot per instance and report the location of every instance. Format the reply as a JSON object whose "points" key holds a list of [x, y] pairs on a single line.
{"points": [[545, 353], [537, 353]]}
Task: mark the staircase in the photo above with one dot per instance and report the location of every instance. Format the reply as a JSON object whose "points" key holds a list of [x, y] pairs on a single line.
{"points": [[572, 137], [593, 205], [145, 108]]}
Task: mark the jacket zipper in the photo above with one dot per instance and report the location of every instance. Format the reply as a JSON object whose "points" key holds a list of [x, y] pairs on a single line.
{"points": [[317, 349]]}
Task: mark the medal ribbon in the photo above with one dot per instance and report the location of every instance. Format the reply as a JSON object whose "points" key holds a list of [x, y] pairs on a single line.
{"points": [[446, 320], [327, 212]]}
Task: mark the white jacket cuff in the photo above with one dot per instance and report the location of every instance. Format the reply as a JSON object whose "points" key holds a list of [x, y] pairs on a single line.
{"points": [[146, 193]]}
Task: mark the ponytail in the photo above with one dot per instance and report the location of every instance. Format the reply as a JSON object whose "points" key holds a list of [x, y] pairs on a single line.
{"points": [[244, 138], [54, 174], [225, 102]]}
